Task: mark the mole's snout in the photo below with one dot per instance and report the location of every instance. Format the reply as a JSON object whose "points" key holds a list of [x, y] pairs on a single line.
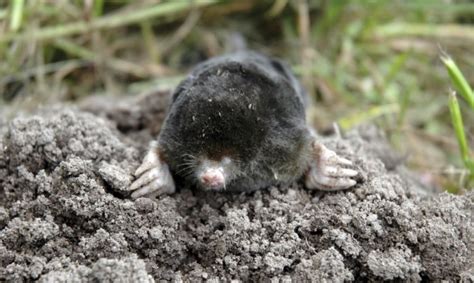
{"points": [[212, 178]]}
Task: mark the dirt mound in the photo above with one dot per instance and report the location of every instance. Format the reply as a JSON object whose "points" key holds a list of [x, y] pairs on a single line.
{"points": [[64, 215]]}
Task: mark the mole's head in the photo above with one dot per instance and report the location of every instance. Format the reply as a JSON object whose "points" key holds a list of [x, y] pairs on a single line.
{"points": [[231, 127]]}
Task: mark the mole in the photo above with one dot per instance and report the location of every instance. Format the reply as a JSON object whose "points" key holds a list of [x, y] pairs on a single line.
{"points": [[237, 123]]}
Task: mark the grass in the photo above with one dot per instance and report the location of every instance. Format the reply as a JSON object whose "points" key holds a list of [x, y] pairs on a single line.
{"points": [[362, 61], [458, 80], [16, 15], [105, 22], [460, 83]]}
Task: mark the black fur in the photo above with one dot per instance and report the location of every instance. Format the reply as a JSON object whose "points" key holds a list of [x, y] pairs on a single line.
{"points": [[245, 106]]}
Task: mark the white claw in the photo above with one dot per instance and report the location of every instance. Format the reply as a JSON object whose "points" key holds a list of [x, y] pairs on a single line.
{"points": [[153, 177], [344, 161], [335, 171], [162, 184], [151, 160], [147, 177], [327, 170]]}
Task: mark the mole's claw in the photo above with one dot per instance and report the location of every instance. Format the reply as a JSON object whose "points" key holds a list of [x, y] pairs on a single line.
{"points": [[153, 177], [336, 171], [162, 185], [344, 161], [327, 172], [326, 183], [151, 160], [145, 178]]}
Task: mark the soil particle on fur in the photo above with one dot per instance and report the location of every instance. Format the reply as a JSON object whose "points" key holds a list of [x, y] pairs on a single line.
{"points": [[65, 215]]}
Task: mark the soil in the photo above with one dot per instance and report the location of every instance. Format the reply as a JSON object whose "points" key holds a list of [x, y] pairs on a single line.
{"points": [[65, 215]]}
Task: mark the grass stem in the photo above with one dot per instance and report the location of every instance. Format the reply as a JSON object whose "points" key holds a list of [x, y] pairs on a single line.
{"points": [[458, 80], [16, 14], [413, 29], [458, 125], [107, 22]]}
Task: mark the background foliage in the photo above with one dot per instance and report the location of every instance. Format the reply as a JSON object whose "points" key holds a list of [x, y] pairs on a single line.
{"points": [[363, 61]]}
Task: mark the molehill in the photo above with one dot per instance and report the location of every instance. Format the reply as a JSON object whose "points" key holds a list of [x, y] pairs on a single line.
{"points": [[65, 215]]}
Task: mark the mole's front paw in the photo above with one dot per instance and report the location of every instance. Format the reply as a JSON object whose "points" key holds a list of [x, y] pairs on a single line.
{"points": [[153, 177], [328, 171]]}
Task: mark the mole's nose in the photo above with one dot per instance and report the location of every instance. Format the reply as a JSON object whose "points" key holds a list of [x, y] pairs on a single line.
{"points": [[213, 178]]}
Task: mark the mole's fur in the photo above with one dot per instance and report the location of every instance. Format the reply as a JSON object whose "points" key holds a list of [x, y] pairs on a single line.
{"points": [[237, 123], [244, 106]]}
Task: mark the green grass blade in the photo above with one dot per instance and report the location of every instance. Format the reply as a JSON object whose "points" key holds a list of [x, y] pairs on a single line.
{"points": [[470, 166], [108, 21], [458, 80], [98, 8], [399, 29], [458, 125], [363, 117], [404, 102], [73, 49], [16, 14]]}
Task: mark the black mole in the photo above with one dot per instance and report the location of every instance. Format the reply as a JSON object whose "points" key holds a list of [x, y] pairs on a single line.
{"points": [[237, 123]]}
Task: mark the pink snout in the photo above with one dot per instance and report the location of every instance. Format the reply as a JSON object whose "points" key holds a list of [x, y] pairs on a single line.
{"points": [[213, 178]]}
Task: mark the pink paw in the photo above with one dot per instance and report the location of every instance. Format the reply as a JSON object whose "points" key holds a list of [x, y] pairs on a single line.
{"points": [[328, 171], [153, 177]]}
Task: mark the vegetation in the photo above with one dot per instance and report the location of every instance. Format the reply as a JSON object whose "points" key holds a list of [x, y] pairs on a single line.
{"points": [[363, 61], [459, 81]]}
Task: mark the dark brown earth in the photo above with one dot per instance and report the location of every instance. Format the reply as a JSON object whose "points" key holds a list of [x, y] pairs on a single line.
{"points": [[65, 215]]}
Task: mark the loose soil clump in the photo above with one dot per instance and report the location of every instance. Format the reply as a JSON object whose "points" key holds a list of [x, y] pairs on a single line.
{"points": [[65, 215]]}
